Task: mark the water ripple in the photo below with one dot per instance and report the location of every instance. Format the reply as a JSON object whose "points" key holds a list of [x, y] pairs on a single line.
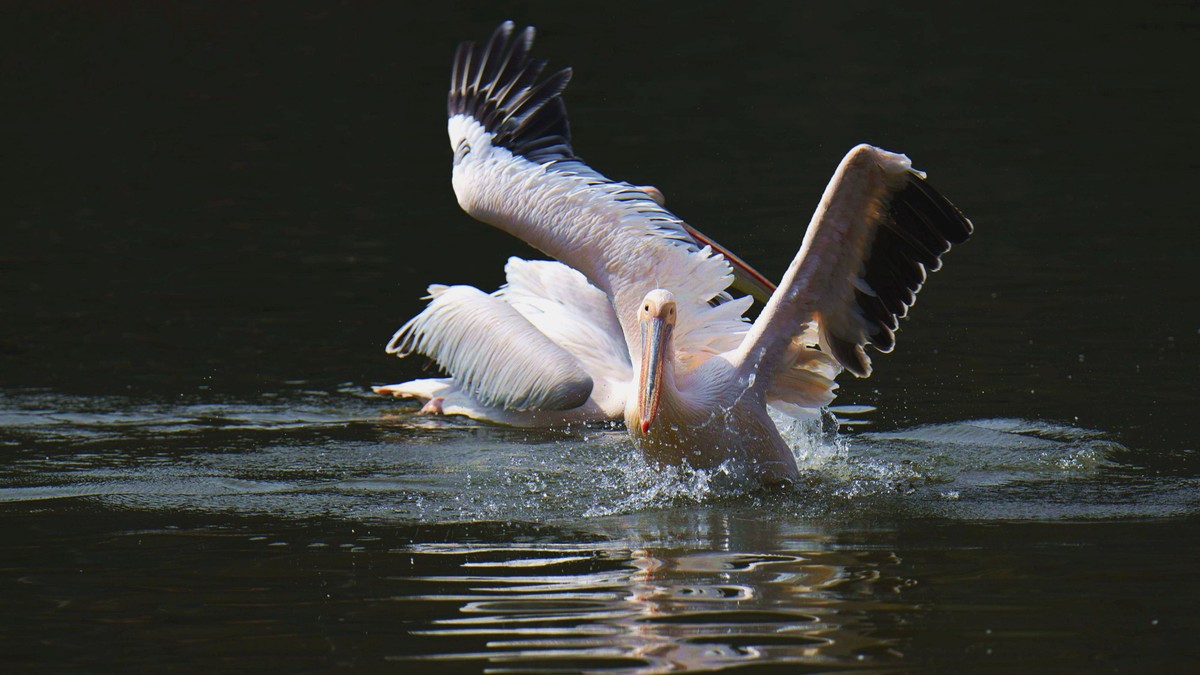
{"points": [[341, 453], [667, 609]]}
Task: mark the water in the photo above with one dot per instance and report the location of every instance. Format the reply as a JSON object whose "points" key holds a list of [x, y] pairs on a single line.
{"points": [[319, 530], [216, 217]]}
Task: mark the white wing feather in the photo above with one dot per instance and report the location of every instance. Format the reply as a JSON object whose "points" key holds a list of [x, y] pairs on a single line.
{"points": [[574, 314], [514, 168], [454, 401], [493, 352], [619, 241]]}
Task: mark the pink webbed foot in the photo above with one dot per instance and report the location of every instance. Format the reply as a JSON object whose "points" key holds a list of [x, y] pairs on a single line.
{"points": [[433, 406]]}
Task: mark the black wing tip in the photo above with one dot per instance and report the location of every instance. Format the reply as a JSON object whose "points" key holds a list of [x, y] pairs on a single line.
{"points": [[851, 356], [956, 227], [920, 227], [501, 87]]}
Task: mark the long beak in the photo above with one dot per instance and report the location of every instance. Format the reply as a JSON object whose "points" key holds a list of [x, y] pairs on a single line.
{"points": [[655, 333]]}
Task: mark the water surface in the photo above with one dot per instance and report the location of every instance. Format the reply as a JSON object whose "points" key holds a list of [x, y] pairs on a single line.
{"points": [[215, 217]]}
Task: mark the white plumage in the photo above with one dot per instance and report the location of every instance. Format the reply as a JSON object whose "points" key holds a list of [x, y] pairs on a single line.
{"points": [[543, 350], [651, 297], [522, 370]]}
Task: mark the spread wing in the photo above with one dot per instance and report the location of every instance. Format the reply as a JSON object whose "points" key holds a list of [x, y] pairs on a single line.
{"points": [[493, 352], [880, 227], [515, 168]]}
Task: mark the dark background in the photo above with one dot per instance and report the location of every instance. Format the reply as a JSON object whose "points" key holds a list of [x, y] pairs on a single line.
{"points": [[213, 216], [210, 200]]}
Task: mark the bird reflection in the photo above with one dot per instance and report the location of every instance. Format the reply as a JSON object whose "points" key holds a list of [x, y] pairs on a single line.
{"points": [[703, 592]]}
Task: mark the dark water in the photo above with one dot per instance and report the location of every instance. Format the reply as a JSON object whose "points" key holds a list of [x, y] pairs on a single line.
{"points": [[214, 217]]}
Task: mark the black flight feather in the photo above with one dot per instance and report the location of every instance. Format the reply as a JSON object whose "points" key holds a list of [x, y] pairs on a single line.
{"points": [[498, 85], [919, 227]]}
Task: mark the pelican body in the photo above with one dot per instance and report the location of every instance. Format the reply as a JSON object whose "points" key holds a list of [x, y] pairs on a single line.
{"points": [[700, 375], [705, 417]]}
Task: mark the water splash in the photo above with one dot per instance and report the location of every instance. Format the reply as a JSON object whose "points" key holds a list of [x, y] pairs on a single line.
{"points": [[349, 456]]}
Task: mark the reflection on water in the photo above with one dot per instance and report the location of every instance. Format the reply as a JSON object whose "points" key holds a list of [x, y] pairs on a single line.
{"points": [[478, 547], [656, 607]]}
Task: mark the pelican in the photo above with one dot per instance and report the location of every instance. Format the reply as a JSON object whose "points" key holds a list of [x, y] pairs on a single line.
{"points": [[701, 375], [555, 352], [547, 349]]}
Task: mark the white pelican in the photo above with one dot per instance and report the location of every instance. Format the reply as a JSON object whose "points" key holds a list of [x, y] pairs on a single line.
{"points": [[703, 376]]}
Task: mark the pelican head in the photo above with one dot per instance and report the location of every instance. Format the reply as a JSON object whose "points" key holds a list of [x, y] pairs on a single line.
{"points": [[657, 319]]}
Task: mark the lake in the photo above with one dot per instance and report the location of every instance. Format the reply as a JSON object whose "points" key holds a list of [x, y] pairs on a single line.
{"points": [[216, 216]]}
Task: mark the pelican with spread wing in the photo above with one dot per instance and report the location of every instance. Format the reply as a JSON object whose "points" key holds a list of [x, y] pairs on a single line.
{"points": [[700, 376]]}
